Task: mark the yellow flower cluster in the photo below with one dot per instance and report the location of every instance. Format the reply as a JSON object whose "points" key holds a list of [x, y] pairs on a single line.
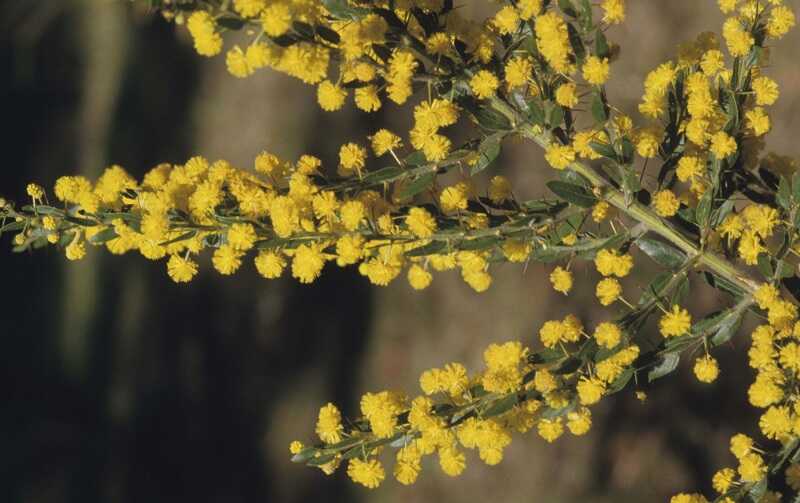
{"points": [[458, 412], [526, 71]]}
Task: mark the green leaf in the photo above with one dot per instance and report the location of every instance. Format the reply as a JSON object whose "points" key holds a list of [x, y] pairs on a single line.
{"points": [[230, 22], [386, 174], [765, 266], [546, 356], [103, 236], [320, 460], [667, 364], [723, 284], [422, 183], [627, 151], [503, 405], [480, 243], [703, 211], [555, 116], [431, 248], [42, 209], [728, 327], [654, 289], [604, 149], [327, 34], [488, 151], [183, 237], [536, 113], [620, 382], [12, 226], [758, 490], [662, 253], [416, 159], [567, 8], [784, 194], [599, 109], [722, 212], [576, 42], [601, 47], [783, 269], [796, 187], [490, 119], [630, 183], [568, 366], [572, 193], [304, 455], [341, 9]]}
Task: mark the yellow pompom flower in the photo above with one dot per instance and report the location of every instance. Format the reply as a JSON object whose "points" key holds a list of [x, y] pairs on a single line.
{"points": [[666, 203], [236, 63], [499, 189], [330, 96], [689, 167], [706, 369], [675, 322], [560, 156], [596, 70], [758, 121], [352, 159], [600, 211], [276, 19], [613, 11], [550, 429], [367, 98], [484, 84], [368, 473], [567, 95], [752, 468], [551, 333], [270, 264], [607, 334], [180, 269], [766, 91], [518, 70], [561, 280], [452, 461], [307, 263], [418, 277], [506, 20], [74, 251], [610, 262], [207, 42], [384, 141], [453, 198], [579, 422], [407, 467], [329, 424], [723, 480], [608, 291], [776, 423], [35, 191], [242, 237], [590, 390], [723, 145], [781, 20], [295, 447], [741, 445], [421, 223], [226, 259], [352, 213]]}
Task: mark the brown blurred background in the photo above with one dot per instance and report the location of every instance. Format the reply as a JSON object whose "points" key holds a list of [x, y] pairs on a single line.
{"points": [[119, 386]]}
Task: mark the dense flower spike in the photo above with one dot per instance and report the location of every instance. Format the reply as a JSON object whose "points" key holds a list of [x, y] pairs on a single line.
{"points": [[717, 205]]}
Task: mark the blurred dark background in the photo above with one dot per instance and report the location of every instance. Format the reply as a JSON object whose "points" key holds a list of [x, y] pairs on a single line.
{"points": [[118, 385]]}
